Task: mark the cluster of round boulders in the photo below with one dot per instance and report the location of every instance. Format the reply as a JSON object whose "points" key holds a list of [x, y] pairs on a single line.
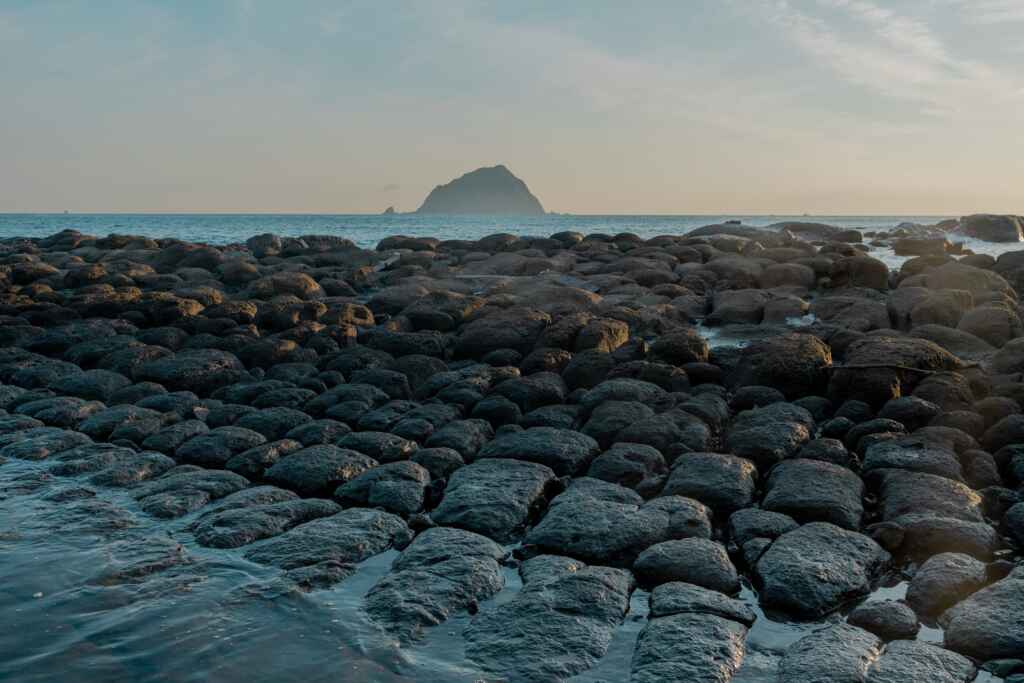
{"points": [[572, 406]]}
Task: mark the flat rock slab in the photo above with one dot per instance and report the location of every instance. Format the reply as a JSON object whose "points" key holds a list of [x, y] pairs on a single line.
{"points": [[39, 444], [815, 491], [185, 489], [110, 465], [610, 524], [257, 513], [559, 625], [494, 497], [443, 572], [332, 546], [565, 451], [812, 571]]}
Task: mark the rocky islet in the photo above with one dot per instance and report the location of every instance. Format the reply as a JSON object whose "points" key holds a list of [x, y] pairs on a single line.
{"points": [[551, 407]]}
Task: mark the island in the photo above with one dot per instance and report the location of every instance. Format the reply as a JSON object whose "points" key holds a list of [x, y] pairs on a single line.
{"points": [[491, 190]]}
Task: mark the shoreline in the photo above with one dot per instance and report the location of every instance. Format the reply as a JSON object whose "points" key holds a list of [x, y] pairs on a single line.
{"points": [[517, 420]]}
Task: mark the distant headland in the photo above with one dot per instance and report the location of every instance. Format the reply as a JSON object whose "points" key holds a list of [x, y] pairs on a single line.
{"points": [[489, 190]]}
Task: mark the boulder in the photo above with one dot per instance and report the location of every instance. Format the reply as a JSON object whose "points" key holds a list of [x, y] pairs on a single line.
{"points": [[817, 568]]}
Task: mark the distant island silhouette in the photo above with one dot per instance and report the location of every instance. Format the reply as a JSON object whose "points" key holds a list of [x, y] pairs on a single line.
{"points": [[489, 190]]}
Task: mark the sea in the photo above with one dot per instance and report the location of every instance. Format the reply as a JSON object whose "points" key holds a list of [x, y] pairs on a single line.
{"points": [[90, 587], [367, 230]]}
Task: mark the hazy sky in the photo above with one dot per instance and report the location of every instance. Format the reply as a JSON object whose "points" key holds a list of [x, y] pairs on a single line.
{"points": [[673, 106]]}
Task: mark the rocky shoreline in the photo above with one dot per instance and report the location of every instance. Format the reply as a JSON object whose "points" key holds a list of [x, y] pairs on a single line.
{"points": [[553, 405]]}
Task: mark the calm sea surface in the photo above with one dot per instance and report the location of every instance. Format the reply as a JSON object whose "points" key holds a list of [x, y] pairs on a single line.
{"points": [[366, 230]]}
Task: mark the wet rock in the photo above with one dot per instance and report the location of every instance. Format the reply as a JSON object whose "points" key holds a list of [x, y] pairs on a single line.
{"points": [[698, 561], [887, 619], [439, 462], [875, 368], [753, 523], [943, 581], [921, 535], [513, 328], [723, 482], [909, 660], [903, 492], [913, 454], [686, 598], [110, 465], [680, 347], [253, 462], [398, 487], [171, 437], [837, 653], [827, 450], [246, 520], [91, 385], [994, 324], [635, 466], [990, 623], [812, 571], [61, 411], [770, 434], [565, 451], [755, 396], [910, 411], [102, 425], [318, 470], [380, 446], [183, 490], [560, 624], [535, 391], [611, 417], [672, 429], [327, 550], [1009, 430], [815, 491], [443, 572], [318, 432], [217, 446], [465, 437], [607, 524], [798, 364], [860, 271], [495, 497], [40, 443], [695, 644], [200, 371]]}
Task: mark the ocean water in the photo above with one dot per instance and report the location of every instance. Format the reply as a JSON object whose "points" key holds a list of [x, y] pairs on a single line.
{"points": [[367, 230]]}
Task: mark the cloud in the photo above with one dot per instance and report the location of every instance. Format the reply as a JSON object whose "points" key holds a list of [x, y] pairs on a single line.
{"points": [[897, 56], [994, 11]]}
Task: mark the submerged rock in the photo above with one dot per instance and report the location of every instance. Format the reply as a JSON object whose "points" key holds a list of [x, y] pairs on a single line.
{"points": [[559, 624], [441, 573]]}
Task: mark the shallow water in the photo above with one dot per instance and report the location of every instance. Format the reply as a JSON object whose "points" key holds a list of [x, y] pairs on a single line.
{"points": [[367, 230], [93, 589]]}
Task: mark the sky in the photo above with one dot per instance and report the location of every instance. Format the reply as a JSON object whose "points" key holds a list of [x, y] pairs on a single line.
{"points": [[653, 107]]}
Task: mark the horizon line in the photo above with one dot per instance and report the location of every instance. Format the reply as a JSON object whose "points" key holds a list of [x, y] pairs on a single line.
{"points": [[496, 216]]}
